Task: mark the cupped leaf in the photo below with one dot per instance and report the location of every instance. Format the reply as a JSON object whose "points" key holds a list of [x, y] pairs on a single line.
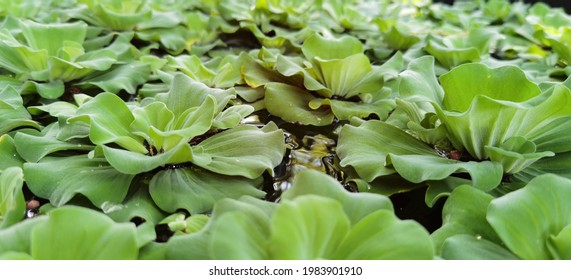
{"points": [[382, 236], [60, 179], [324, 48], [249, 229], [355, 205], [528, 218], [465, 82], [231, 152], [12, 203], [197, 190], [80, 233], [109, 119], [309, 227]]}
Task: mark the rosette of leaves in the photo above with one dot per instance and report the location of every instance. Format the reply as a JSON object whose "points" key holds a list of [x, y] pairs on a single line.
{"points": [[72, 233], [336, 80], [120, 16], [191, 148], [451, 51], [488, 125], [530, 223], [317, 219], [46, 55]]}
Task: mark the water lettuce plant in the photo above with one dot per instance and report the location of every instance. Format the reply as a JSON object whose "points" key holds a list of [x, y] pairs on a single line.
{"points": [[284, 129], [186, 138], [471, 122], [317, 219]]}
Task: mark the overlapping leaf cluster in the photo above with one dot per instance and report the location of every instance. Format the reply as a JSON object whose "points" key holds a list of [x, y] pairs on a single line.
{"points": [[132, 121]]}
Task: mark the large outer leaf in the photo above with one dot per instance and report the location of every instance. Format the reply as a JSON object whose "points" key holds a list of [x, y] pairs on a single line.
{"points": [[33, 147], [366, 147], [309, 227], [82, 234], [355, 205], [465, 213], [12, 203], [197, 190], [233, 151], [59, 179], [250, 230], [123, 77], [382, 236], [292, 104], [527, 218], [17, 238], [485, 175]]}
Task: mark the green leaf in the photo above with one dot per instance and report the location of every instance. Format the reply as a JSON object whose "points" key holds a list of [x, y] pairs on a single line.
{"points": [[292, 104], [109, 119], [419, 81], [196, 190], [53, 37], [515, 154], [128, 162], [309, 227], [8, 153], [475, 79], [366, 147], [82, 234], [17, 238], [318, 46], [137, 204], [125, 77], [485, 175], [490, 121], [464, 213], [34, 146], [468, 247], [13, 114], [60, 179], [12, 203], [231, 152], [527, 218], [355, 205], [382, 236], [249, 231]]}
